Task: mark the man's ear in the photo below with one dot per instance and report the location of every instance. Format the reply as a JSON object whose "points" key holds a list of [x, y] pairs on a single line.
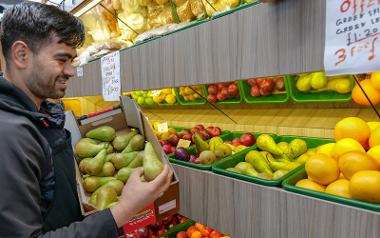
{"points": [[20, 54]]}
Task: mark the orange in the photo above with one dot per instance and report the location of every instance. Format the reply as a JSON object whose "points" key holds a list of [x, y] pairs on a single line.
{"points": [[215, 234], [374, 153], [373, 125], [199, 226], [354, 161], [191, 230], [365, 186], [308, 184], [322, 169], [341, 188], [372, 93], [181, 234], [196, 234], [374, 139], [346, 145], [375, 80], [352, 127]]}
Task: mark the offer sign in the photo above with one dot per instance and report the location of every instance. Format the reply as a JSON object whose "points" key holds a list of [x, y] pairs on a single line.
{"points": [[352, 42], [142, 219], [111, 85]]}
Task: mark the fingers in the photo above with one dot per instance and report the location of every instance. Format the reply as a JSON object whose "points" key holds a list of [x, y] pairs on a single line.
{"points": [[160, 180], [136, 174]]}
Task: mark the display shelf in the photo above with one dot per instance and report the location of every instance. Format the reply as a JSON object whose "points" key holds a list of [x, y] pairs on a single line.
{"points": [[261, 40], [247, 210]]}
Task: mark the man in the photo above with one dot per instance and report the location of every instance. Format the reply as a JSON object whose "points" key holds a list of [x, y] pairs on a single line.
{"points": [[37, 178]]}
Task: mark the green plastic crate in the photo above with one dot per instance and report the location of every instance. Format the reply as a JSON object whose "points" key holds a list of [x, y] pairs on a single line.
{"points": [[274, 98], [310, 97], [289, 184], [199, 101], [221, 166], [171, 233], [226, 135], [230, 100]]}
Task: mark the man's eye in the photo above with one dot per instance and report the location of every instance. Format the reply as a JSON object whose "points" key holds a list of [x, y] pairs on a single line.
{"points": [[62, 60]]}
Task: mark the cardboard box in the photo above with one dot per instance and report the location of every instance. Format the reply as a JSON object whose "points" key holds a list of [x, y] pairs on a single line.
{"points": [[123, 119]]}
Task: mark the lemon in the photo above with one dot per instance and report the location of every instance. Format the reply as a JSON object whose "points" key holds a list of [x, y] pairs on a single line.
{"points": [[308, 184], [374, 153], [166, 91], [341, 188], [170, 98], [322, 169], [346, 145], [354, 161], [365, 186], [327, 149]]}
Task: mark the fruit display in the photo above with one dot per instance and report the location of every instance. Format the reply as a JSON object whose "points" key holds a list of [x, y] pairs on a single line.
{"points": [[241, 142], [197, 230], [349, 168], [273, 160], [169, 140], [191, 95], [157, 229], [266, 86], [371, 86], [220, 92], [155, 97], [107, 159], [319, 82]]}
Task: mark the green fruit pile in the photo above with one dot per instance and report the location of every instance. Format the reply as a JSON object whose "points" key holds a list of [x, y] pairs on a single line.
{"points": [[107, 160], [318, 82], [143, 98], [273, 160]]}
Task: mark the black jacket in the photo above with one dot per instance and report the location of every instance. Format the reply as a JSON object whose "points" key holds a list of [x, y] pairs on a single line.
{"points": [[37, 178]]}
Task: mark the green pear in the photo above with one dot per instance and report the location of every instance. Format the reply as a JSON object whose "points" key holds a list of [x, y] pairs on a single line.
{"points": [[107, 170], [123, 174], [303, 83], [200, 144], [121, 160], [259, 163], [89, 140], [115, 184], [246, 168], [267, 143], [90, 184], [85, 149], [104, 197], [284, 146], [277, 165], [135, 144], [291, 166], [137, 161], [121, 141], [109, 157], [152, 165], [268, 156], [112, 204], [318, 80], [297, 147], [95, 165], [102, 133], [225, 151], [83, 165], [279, 174], [235, 170], [207, 157]]}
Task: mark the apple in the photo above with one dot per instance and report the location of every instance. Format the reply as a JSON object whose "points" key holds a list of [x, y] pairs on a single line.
{"points": [[173, 148], [187, 137], [220, 86], [279, 83], [232, 90], [228, 142], [167, 149], [224, 92], [247, 139], [267, 85], [200, 126], [194, 130], [255, 91], [163, 142], [173, 140], [236, 142], [220, 97], [251, 82], [216, 131], [212, 89], [259, 80], [209, 128], [264, 92], [204, 134], [212, 98]]}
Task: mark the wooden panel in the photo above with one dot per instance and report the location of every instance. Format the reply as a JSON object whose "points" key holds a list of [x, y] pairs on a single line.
{"points": [[247, 210]]}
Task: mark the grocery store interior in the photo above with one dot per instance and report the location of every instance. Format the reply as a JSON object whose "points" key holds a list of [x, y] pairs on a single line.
{"points": [[266, 138]]}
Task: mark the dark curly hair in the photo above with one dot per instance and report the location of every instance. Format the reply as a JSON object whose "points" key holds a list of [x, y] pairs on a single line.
{"points": [[36, 24]]}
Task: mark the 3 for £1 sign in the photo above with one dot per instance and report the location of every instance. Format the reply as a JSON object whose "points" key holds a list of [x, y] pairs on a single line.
{"points": [[352, 36]]}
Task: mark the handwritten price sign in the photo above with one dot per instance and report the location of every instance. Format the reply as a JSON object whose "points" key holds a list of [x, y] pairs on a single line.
{"points": [[352, 36], [111, 85]]}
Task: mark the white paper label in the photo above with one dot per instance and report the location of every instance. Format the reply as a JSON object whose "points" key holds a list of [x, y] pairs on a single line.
{"points": [[162, 127], [79, 71], [111, 85], [183, 143], [352, 42], [167, 206], [154, 93]]}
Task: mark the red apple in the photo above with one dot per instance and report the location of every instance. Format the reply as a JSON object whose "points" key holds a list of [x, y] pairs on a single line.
{"points": [[236, 142], [212, 89], [251, 82], [167, 149], [216, 131], [211, 98], [279, 83], [228, 142], [247, 139], [220, 86], [173, 148], [204, 134], [255, 91], [200, 126], [173, 140], [259, 80], [220, 97], [232, 90], [194, 130], [186, 137], [264, 92], [267, 85], [209, 128], [224, 92], [163, 142]]}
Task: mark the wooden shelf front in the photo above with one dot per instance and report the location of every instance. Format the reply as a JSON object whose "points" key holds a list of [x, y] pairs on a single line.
{"points": [[245, 210], [282, 38]]}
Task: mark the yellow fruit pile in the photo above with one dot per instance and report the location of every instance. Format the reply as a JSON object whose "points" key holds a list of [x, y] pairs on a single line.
{"points": [[350, 167], [318, 82], [190, 93], [165, 95], [371, 85]]}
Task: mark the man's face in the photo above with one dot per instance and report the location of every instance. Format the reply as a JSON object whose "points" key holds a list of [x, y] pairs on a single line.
{"points": [[50, 70]]}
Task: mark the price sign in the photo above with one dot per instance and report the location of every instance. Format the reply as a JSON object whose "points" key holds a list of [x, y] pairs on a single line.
{"points": [[79, 71], [352, 36], [111, 85], [162, 127], [183, 143]]}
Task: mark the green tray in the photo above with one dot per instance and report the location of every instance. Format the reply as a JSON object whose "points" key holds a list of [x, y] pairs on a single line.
{"points": [[289, 184], [199, 101], [221, 166], [172, 232], [310, 97], [274, 98], [224, 136], [228, 101]]}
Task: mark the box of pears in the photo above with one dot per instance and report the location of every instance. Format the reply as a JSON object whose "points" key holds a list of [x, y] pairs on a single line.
{"points": [[108, 147], [271, 160]]}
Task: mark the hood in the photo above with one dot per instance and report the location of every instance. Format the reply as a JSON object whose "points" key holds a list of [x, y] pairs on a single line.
{"points": [[14, 100]]}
